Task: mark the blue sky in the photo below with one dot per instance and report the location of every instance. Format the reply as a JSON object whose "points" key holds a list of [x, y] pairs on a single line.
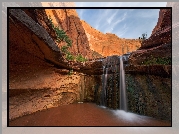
{"points": [[125, 23]]}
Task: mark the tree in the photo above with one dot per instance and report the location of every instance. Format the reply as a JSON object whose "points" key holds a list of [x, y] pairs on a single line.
{"points": [[144, 36]]}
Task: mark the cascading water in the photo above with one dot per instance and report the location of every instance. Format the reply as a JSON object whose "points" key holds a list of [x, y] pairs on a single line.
{"points": [[104, 80], [105, 84], [113, 93], [123, 100], [102, 93]]}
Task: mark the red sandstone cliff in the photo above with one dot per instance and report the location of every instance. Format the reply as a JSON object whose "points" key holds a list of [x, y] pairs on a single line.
{"points": [[68, 20], [38, 74], [34, 51], [164, 20], [109, 44]]}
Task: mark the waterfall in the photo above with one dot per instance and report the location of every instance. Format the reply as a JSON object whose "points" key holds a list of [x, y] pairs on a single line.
{"points": [[123, 100], [113, 92], [102, 93], [104, 80], [105, 84]]}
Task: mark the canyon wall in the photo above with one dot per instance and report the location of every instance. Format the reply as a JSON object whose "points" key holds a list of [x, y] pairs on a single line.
{"points": [[158, 45], [68, 21], [56, 89], [33, 49], [164, 20], [36, 77], [148, 76], [109, 44]]}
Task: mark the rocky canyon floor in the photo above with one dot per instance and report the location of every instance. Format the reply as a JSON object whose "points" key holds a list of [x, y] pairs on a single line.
{"points": [[85, 114]]}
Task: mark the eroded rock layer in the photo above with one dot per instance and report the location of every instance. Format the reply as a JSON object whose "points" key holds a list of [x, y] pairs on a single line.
{"points": [[51, 90]]}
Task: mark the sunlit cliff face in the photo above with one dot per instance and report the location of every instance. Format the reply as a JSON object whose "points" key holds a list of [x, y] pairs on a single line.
{"points": [[109, 44]]}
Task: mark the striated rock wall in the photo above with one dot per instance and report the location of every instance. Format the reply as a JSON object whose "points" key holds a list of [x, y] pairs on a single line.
{"points": [[52, 90], [109, 44], [164, 20]]}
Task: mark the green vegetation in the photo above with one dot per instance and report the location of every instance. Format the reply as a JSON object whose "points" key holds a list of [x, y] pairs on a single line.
{"points": [[69, 56], [80, 58], [157, 61], [62, 37]]}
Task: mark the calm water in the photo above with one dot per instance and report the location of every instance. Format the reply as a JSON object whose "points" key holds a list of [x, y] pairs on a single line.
{"points": [[85, 114]]}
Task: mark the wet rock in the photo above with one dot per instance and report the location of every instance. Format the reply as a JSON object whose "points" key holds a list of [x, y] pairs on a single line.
{"points": [[159, 70], [149, 95]]}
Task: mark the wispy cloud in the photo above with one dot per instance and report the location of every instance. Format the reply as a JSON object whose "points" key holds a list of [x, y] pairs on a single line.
{"points": [[101, 19], [112, 17], [112, 25], [120, 20], [122, 31], [126, 23]]}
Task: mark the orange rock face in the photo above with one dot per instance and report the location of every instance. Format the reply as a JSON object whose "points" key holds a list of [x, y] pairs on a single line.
{"points": [[109, 44], [68, 20], [38, 75]]}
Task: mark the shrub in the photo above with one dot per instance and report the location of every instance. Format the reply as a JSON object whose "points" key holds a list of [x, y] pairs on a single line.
{"points": [[69, 56], [80, 58], [64, 49], [61, 36]]}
